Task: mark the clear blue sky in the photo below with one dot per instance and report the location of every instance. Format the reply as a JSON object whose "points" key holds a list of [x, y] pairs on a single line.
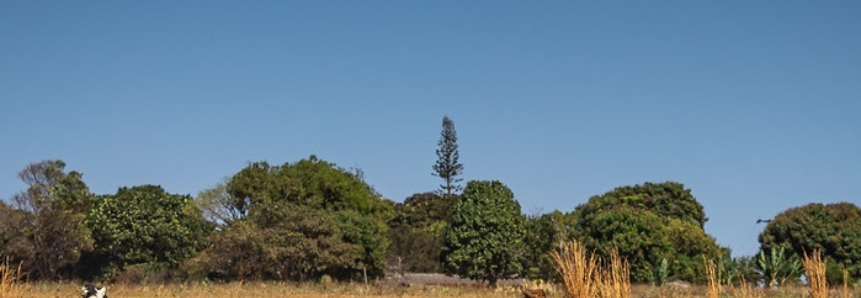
{"points": [[754, 105]]}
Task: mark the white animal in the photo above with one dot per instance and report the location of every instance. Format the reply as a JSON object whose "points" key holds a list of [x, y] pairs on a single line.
{"points": [[91, 291]]}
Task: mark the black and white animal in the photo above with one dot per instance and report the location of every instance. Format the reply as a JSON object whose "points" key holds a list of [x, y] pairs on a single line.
{"points": [[91, 291]]}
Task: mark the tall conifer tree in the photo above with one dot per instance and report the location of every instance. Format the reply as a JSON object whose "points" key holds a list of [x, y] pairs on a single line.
{"points": [[447, 166]]}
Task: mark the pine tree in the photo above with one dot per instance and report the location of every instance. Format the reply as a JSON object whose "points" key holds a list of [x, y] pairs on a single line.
{"points": [[447, 166]]}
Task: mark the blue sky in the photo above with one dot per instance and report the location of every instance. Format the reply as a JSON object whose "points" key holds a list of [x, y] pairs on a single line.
{"points": [[753, 105]]}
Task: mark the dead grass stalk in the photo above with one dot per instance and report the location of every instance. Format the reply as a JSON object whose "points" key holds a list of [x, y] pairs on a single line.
{"points": [[746, 290], [714, 287], [814, 269], [616, 281], [11, 281], [577, 269], [584, 276], [846, 290]]}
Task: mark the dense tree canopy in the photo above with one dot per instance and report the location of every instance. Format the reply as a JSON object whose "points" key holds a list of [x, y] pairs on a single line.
{"points": [[834, 229], [145, 225], [543, 233], [304, 220], [647, 224], [306, 244], [310, 182], [312, 219], [668, 199], [484, 240], [416, 232]]}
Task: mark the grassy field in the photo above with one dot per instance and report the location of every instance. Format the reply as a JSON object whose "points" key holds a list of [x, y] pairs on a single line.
{"points": [[583, 276], [315, 290]]}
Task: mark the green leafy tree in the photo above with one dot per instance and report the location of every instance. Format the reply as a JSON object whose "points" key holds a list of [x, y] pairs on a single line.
{"points": [[370, 238], [48, 230], [310, 182], [447, 165], [416, 232], [668, 199], [309, 243], [145, 225], [303, 220], [258, 182], [646, 224], [240, 251], [326, 186], [484, 240], [834, 229], [543, 233], [305, 245]]}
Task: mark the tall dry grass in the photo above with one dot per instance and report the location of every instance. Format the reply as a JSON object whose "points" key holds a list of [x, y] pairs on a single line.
{"points": [[713, 290], [746, 290], [577, 269], [339, 290], [272, 290], [11, 281], [814, 269], [846, 291], [616, 278], [584, 275]]}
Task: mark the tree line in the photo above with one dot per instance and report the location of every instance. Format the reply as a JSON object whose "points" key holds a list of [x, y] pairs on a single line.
{"points": [[312, 219]]}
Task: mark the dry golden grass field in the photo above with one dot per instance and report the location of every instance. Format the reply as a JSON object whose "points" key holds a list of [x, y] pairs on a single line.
{"points": [[582, 276], [315, 290]]}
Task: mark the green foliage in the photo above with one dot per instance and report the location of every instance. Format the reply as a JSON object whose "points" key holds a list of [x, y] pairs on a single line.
{"points": [[304, 220], [834, 229], [484, 240], [776, 268], [424, 209], [668, 199], [370, 238], [310, 182], [238, 252], [745, 268], [647, 223], [732, 271], [727, 272], [145, 225], [543, 233], [47, 230], [660, 272], [306, 245], [71, 194], [416, 232], [257, 181]]}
